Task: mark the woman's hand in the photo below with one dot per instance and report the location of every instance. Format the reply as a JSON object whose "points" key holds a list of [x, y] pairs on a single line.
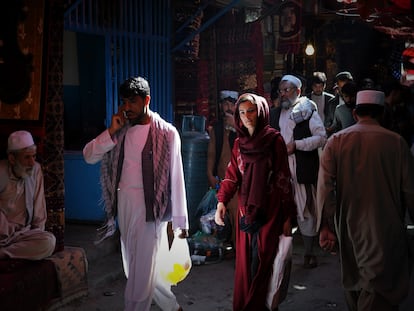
{"points": [[220, 213]]}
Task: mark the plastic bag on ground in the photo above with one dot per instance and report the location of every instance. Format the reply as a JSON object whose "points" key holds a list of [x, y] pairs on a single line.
{"points": [[207, 203]]}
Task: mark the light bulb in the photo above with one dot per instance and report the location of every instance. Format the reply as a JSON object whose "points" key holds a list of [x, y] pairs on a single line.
{"points": [[310, 50]]}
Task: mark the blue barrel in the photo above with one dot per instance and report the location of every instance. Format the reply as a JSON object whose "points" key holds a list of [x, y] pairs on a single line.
{"points": [[194, 145]]}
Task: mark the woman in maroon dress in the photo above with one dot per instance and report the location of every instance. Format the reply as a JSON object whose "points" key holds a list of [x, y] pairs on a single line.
{"points": [[259, 172]]}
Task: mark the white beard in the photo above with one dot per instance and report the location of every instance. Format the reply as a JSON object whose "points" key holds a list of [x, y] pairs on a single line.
{"points": [[22, 171]]}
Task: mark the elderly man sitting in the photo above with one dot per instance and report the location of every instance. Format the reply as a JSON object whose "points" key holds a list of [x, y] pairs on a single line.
{"points": [[22, 202]]}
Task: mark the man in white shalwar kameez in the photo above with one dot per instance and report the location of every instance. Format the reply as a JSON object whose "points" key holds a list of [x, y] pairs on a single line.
{"points": [[23, 212], [141, 159], [304, 133]]}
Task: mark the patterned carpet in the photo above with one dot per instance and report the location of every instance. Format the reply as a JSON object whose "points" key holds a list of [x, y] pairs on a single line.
{"points": [[45, 284]]}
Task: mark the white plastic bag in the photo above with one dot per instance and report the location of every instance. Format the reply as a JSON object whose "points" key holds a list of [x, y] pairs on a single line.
{"points": [[176, 262], [279, 280]]}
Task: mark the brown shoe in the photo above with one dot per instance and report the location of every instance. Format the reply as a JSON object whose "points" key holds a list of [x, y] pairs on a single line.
{"points": [[309, 262]]}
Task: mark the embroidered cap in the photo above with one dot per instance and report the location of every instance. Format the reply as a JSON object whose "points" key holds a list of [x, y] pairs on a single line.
{"points": [[292, 79], [19, 140], [229, 95], [370, 97]]}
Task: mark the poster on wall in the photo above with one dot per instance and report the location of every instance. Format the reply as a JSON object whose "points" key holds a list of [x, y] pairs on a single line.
{"points": [[22, 61], [408, 63], [290, 20]]}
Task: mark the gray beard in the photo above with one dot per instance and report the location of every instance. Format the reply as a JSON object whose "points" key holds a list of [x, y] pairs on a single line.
{"points": [[286, 104]]}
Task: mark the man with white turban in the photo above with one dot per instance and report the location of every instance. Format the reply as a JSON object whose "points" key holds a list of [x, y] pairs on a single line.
{"points": [[302, 129]]}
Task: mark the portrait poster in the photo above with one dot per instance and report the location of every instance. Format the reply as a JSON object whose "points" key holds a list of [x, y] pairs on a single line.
{"points": [[290, 20]]}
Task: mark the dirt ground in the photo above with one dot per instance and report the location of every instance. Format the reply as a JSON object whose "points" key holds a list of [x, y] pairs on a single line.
{"points": [[209, 287]]}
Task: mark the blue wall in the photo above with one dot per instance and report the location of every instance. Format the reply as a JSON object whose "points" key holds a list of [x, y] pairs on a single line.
{"points": [[113, 40], [82, 189]]}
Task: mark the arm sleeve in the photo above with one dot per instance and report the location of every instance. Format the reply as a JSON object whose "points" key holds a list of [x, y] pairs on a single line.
{"points": [[318, 138], [94, 151], [39, 202], [178, 191], [325, 194], [336, 123]]}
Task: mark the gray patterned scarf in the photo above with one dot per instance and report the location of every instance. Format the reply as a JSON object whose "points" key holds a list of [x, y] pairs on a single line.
{"points": [[111, 168]]}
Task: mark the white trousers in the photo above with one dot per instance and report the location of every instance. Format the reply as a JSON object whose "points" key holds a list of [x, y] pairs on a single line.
{"points": [[156, 289]]}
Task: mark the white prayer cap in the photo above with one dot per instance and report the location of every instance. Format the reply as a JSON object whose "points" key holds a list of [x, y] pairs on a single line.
{"points": [[19, 140], [370, 97], [231, 95], [292, 79]]}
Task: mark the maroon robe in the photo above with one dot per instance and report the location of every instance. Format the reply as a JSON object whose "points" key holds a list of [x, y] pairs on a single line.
{"points": [[259, 173]]}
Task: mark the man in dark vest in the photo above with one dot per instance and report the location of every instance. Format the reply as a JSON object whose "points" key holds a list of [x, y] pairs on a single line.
{"points": [[222, 136], [143, 189], [302, 129]]}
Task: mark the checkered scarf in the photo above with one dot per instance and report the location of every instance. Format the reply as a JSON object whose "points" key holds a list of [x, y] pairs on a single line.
{"points": [[111, 167]]}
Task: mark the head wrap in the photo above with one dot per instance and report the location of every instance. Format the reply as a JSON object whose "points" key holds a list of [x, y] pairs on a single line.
{"points": [[262, 113], [255, 151]]}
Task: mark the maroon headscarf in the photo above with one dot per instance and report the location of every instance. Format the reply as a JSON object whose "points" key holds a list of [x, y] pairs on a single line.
{"points": [[256, 153]]}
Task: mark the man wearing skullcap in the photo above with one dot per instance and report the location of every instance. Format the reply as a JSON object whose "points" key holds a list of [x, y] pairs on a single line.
{"points": [[222, 135], [365, 187], [302, 128], [22, 202]]}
